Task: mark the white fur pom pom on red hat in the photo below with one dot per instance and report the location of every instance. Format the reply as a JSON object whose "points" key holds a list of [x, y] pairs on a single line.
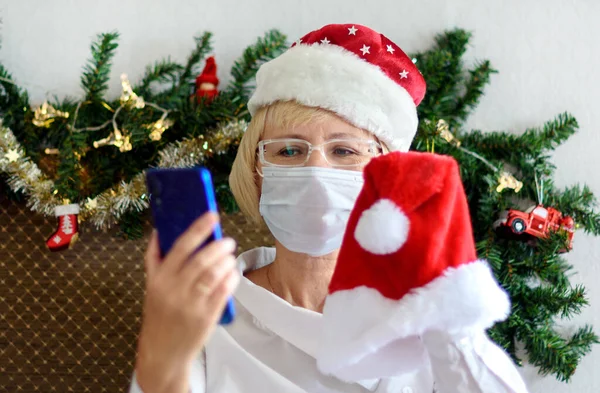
{"points": [[407, 266], [353, 71], [382, 228]]}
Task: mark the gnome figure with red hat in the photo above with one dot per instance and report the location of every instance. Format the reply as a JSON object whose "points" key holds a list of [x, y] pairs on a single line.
{"points": [[207, 81]]}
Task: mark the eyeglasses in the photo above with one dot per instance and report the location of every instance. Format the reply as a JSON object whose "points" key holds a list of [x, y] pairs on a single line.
{"points": [[337, 152]]}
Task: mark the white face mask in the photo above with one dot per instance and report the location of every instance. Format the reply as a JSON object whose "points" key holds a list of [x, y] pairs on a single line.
{"points": [[307, 208]]}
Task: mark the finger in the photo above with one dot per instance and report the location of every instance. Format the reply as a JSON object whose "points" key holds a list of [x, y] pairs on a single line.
{"points": [[210, 278], [189, 241], [225, 288], [219, 297], [205, 258], [152, 257]]}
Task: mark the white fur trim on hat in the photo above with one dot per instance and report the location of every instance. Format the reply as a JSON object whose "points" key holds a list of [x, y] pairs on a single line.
{"points": [[64, 210], [382, 228], [463, 299], [330, 77]]}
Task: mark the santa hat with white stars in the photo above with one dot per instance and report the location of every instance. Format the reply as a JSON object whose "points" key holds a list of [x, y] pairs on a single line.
{"points": [[353, 71]]}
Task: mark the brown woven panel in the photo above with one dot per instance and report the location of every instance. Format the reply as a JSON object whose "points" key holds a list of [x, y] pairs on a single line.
{"points": [[69, 321]]}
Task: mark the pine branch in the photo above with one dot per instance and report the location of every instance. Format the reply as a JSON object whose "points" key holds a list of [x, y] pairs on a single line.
{"points": [[442, 68], [544, 302], [203, 47], [590, 222], [553, 133], [485, 206], [550, 353], [161, 72], [479, 78], [97, 72], [550, 268], [12, 101], [581, 342], [555, 355], [244, 69], [578, 202], [68, 180], [436, 103], [455, 41], [504, 334], [487, 250], [534, 142]]}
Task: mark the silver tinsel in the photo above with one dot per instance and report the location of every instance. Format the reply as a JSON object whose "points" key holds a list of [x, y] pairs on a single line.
{"points": [[24, 175], [132, 196], [109, 206]]}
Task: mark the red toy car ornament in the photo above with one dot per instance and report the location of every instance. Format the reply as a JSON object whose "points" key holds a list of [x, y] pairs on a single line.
{"points": [[537, 221]]}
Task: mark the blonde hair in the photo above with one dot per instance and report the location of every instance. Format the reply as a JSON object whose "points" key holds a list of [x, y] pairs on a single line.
{"points": [[243, 179]]}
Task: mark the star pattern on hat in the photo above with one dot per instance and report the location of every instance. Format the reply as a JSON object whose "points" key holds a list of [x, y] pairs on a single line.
{"points": [[372, 47]]}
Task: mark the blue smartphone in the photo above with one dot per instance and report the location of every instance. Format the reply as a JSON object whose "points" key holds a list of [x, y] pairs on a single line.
{"points": [[178, 197]]}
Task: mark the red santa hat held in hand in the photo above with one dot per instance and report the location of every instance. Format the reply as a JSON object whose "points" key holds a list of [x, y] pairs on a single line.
{"points": [[407, 265]]}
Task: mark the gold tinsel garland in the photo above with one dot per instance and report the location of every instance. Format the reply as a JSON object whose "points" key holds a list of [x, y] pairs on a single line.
{"points": [[109, 206], [24, 175]]}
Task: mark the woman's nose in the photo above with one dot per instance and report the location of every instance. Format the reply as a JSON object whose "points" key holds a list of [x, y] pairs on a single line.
{"points": [[317, 159]]}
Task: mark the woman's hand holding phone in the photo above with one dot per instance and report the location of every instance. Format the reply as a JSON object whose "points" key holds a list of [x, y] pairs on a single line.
{"points": [[186, 292]]}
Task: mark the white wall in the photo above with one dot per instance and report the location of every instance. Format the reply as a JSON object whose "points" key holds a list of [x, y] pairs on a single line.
{"points": [[546, 51]]}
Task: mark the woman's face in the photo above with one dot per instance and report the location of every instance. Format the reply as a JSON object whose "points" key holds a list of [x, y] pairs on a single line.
{"points": [[327, 128]]}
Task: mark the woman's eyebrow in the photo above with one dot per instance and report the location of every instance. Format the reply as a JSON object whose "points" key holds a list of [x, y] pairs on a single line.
{"points": [[335, 135], [291, 136], [338, 135]]}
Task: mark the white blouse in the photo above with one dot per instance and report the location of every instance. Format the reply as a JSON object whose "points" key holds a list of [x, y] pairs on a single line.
{"points": [[271, 347]]}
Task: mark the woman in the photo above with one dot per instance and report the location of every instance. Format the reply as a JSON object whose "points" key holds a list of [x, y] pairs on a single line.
{"points": [[340, 96]]}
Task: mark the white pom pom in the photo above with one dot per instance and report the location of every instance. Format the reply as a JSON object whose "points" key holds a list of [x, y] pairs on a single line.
{"points": [[382, 228]]}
